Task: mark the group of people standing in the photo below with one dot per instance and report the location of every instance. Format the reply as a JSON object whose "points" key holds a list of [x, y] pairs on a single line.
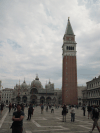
{"points": [[93, 113], [47, 106], [65, 111]]}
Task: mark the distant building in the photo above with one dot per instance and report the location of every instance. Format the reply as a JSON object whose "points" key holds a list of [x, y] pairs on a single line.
{"points": [[6, 95], [80, 95], [69, 67], [91, 95], [35, 93], [58, 93], [0, 96]]}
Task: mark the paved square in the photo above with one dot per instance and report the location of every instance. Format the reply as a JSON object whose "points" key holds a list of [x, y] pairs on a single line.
{"points": [[48, 122]]}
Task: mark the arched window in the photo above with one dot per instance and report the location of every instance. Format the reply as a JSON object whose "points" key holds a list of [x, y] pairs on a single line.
{"points": [[69, 47]]}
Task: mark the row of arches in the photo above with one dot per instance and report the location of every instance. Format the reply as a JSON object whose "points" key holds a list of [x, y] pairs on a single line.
{"points": [[24, 99], [70, 48], [33, 99]]}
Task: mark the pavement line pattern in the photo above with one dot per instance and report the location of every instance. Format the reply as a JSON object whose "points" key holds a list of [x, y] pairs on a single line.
{"points": [[38, 125], [84, 127], [57, 126], [62, 119], [40, 119], [48, 130], [86, 122], [28, 132], [3, 118]]}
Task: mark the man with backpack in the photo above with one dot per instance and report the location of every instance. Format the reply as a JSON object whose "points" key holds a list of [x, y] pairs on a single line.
{"points": [[95, 117]]}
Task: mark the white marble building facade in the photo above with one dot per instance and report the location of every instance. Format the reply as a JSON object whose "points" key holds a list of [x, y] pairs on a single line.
{"points": [[6, 95], [91, 95]]}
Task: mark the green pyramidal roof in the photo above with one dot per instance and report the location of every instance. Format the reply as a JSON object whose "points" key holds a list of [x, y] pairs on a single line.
{"points": [[69, 30]]}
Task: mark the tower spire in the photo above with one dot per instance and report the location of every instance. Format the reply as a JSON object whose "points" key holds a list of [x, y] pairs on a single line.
{"points": [[69, 30]]}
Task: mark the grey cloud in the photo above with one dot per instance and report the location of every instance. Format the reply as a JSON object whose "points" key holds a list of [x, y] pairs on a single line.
{"points": [[13, 44], [35, 33]]}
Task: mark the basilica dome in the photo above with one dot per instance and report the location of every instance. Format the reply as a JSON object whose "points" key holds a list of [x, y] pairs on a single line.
{"points": [[47, 86], [36, 83], [24, 85]]}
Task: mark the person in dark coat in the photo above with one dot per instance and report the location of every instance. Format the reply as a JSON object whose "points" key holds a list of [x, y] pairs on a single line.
{"points": [[30, 110], [18, 116], [10, 107], [83, 110], [2, 105], [89, 109], [95, 118], [64, 111]]}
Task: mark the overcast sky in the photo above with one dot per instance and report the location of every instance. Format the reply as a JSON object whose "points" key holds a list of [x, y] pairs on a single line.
{"points": [[31, 37]]}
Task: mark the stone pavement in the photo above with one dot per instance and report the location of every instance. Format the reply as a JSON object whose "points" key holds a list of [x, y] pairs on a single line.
{"points": [[49, 123]]}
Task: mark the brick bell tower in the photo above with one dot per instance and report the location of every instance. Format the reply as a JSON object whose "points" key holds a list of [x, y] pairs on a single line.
{"points": [[69, 67]]}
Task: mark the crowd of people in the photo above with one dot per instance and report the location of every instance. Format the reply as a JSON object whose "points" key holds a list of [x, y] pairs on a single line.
{"points": [[18, 114], [93, 113]]}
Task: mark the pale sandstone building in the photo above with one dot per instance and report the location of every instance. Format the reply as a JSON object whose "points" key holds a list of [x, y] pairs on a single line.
{"points": [[91, 95]]}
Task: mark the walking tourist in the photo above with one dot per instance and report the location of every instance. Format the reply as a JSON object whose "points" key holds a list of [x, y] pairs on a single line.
{"points": [[72, 113], [17, 125], [33, 108], [52, 109], [83, 110], [64, 111], [30, 110], [42, 107], [46, 108], [2, 105], [10, 107], [95, 117], [89, 109]]}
